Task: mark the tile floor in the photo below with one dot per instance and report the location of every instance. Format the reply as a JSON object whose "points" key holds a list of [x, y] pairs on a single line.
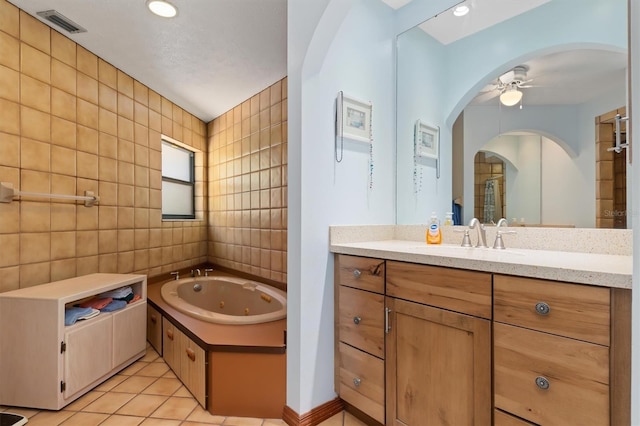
{"points": [[147, 393]]}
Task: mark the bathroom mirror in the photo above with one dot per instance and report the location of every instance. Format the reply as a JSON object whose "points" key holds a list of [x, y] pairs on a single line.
{"points": [[568, 59]]}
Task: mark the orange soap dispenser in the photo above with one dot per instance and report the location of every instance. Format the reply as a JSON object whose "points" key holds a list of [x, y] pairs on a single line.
{"points": [[434, 234]]}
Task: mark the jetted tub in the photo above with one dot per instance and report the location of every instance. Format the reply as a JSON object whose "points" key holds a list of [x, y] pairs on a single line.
{"points": [[226, 300]]}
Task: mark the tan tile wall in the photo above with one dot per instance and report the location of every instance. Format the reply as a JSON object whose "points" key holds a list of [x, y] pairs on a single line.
{"points": [[70, 122], [247, 149]]}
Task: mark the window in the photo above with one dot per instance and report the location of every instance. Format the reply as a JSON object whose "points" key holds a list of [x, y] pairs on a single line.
{"points": [[178, 182]]}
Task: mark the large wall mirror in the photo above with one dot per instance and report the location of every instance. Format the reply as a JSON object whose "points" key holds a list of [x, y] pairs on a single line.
{"points": [[523, 95]]}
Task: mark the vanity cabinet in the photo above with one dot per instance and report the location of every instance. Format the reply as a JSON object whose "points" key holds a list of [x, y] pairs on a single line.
{"points": [[186, 359], [438, 350], [45, 364], [559, 351], [360, 316]]}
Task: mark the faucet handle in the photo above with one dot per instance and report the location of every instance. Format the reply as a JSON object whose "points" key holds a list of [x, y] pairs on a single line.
{"points": [[177, 275], [499, 243], [206, 272], [466, 240]]}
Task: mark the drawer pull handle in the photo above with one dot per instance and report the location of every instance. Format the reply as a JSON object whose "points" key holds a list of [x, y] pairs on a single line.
{"points": [[542, 382], [191, 354], [356, 320], [357, 273], [170, 334], [542, 308], [356, 382], [154, 319]]}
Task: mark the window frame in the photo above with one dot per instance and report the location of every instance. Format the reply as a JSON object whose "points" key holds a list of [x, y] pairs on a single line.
{"points": [[191, 182]]}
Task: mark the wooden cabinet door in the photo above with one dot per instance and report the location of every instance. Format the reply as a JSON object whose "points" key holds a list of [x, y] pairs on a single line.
{"points": [[171, 345], [129, 332], [438, 367], [154, 328], [89, 353], [192, 368]]}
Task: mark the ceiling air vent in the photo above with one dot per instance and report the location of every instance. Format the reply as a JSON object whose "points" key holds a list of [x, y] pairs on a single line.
{"points": [[61, 21]]}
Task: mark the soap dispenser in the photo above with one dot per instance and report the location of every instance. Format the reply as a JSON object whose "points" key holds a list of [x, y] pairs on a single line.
{"points": [[434, 234]]}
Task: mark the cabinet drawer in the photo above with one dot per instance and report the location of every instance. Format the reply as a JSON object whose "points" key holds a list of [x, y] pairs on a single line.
{"points": [[500, 418], [361, 320], [362, 381], [361, 272], [574, 310], [577, 375], [453, 289]]}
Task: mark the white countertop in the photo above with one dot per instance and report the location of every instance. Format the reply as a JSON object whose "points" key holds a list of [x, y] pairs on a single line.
{"points": [[607, 270]]}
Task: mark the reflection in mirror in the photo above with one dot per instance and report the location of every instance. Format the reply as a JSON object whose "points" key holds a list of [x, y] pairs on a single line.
{"points": [[567, 59]]}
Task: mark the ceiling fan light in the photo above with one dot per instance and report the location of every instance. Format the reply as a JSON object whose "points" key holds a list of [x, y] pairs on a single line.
{"points": [[461, 10], [511, 97], [162, 8]]}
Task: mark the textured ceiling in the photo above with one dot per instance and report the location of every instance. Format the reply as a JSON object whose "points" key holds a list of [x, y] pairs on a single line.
{"points": [[212, 56]]}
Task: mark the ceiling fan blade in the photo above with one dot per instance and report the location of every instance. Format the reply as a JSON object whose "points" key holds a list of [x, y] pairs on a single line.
{"points": [[483, 97]]}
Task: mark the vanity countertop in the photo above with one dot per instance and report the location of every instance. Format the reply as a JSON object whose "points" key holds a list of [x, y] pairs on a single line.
{"points": [[607, 270]]}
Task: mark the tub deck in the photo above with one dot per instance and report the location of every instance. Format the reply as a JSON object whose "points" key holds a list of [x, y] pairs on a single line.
{"points": [[255, 338], [246, 364]]}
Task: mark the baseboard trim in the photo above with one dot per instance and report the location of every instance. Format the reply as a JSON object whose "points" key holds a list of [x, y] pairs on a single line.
{"points": [[313, 417]]}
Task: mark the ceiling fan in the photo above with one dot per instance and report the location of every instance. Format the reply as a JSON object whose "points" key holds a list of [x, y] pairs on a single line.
{"points": [[507, 87]]}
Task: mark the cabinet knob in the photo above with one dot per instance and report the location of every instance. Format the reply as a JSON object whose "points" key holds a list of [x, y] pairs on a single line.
{"points": [[356, 381], [357, 273], [543, 308], [191, 354], [542, 382], [356, 320], [170, 334], [154, 319]]}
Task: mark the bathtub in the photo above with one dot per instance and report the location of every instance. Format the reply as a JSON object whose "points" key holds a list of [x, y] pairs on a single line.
{"points": [[226, 300]]}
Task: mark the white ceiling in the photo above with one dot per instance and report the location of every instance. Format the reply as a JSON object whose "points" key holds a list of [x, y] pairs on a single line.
{"points": [[211, 57]]}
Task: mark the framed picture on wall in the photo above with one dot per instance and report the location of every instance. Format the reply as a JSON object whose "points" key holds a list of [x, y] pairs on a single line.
{"points": [[353, 119], [426, 140]]}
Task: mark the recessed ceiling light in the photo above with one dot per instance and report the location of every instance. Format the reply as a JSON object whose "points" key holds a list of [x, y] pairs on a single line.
{"points": [[461, 10], [162, 8]]}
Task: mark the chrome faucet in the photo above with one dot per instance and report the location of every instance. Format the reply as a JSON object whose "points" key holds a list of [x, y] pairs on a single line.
{"points": [[499, 243], [196, 272], [482, 233]]}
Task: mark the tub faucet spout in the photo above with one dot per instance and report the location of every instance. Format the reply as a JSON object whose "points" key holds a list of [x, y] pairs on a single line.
{"points": [[482, 234], [196, 272]]}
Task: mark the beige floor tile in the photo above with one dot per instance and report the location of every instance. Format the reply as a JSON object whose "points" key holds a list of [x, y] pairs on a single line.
{"points": [[150, 356], [183, 392], [155, 369], [84, 400], [49, 418], [133, 368], [142, 405], [169, 374], [118, 420], [334, 421], [160, 422], [242, 421], [85, 419], [349, 420], [199, 424], [175, 408], [163, 386], [201, 415], [273, 422], [111, 383], [108, 403], [134, 384], [26, 412]]}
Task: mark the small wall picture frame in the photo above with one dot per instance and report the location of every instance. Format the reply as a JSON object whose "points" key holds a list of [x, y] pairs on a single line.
{"points": [[353, 119], [426, 140]]}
